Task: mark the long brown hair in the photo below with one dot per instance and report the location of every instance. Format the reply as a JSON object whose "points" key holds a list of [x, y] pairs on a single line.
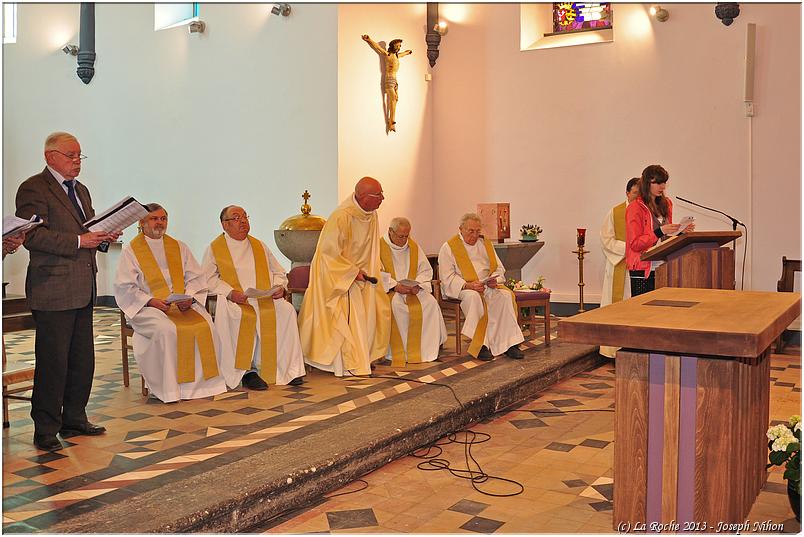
{"points": [[654, 174]]}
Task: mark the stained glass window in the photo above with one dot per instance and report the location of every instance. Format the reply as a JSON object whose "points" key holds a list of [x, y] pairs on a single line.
{"points": [[579, 17]]}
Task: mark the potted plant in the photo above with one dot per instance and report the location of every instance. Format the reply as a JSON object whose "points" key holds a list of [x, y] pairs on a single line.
{"points": [[784, 443], [530, 233]]}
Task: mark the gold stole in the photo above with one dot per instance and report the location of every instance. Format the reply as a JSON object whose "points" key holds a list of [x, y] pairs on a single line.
{"points": [[470, 275], [248, 319], [618, 281], [191, 327], [414, 343]]}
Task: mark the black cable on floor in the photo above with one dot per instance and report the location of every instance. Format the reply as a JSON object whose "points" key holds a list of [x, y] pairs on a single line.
{"points": [[435, 463]]}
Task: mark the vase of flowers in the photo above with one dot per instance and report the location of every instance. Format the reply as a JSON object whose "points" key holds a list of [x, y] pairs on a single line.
{"points": [[529, 233], [784, 443]]}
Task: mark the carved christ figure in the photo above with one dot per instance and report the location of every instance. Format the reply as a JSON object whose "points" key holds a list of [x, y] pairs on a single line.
{"points": [[391, 63]]}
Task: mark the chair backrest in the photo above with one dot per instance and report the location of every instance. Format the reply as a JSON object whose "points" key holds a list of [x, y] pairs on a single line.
{"points": [[299, 277], [789, 269]]}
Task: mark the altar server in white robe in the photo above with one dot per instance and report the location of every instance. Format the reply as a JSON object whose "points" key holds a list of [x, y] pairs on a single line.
{"points": [[616, 282], [417, 326], [254, 332], [175, 346], [471, 272]]}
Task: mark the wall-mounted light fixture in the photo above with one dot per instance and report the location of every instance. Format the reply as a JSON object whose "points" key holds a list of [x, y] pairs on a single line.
{"points": [[727, 12], [659, 13], [281, 9], [72, 50], [442, 28], [196, 27], [433, 36]]}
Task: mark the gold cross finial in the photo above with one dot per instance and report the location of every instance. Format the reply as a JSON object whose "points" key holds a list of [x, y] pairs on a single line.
{"points": [[305, 209]]}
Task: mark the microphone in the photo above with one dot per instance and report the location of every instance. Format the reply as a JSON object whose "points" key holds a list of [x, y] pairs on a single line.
{"points": [[370, 279], [734, 221]]}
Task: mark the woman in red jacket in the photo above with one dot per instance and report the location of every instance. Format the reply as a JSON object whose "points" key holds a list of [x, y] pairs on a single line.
{"points": [[648, 220]]}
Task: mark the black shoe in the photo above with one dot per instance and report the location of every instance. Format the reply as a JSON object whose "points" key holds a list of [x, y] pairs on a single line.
{"points": [[298, 381], [485, 354], [86, 428], [252, 381], [515, 352], [47, 442]]}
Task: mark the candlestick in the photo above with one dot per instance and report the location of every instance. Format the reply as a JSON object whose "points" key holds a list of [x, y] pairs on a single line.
{"points": [[580, 251]]}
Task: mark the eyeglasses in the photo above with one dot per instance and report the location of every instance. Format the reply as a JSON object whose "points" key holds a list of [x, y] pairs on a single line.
{"points": [[380, 195], [237, 218], [79, 156]]}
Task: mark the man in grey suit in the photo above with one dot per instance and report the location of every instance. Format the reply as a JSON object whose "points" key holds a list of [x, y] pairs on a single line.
{"points": [[60, 286]]}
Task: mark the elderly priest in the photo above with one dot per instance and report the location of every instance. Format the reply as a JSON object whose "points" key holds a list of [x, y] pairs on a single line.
{"points": [[345, 319], [254, 330], [417, 327], [471, 272], [161, 288]]}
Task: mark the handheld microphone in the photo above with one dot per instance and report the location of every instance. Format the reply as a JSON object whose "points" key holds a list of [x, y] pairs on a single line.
{"points": [[370, 279]]}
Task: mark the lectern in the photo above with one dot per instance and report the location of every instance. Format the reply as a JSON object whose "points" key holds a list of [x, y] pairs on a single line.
{"points": [[695, 259], [691, 400]]}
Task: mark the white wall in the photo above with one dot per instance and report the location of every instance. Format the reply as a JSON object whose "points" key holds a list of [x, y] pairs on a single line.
{"points": [[245, 113], [558, 132], [403, 160], [259, 108]]}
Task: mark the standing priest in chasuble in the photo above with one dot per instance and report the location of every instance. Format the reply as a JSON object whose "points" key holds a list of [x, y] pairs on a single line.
{"points": [[417, 327], [345, 320], [471, 272], [174, 343], [255, 332], [616, 283]]}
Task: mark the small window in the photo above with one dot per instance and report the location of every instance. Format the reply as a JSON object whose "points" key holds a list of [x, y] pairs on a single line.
{"points": [[580, 17], [9, 23], [172, 15]]}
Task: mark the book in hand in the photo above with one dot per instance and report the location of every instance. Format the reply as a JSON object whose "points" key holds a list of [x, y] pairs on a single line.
{"points": [[13, 225], [118, 217], [409, 283], [177, 298], [260, 293]]}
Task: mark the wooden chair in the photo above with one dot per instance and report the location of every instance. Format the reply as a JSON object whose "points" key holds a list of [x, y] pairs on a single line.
{"points": [[126, 332], [451, 305], [531, 301], [785, 285], [17, 378]]}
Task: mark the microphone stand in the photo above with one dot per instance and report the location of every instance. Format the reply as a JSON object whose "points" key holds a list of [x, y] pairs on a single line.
{"points": [[734, 223]]}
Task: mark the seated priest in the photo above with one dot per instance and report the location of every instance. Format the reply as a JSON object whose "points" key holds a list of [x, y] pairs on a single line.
{"points": [[471, 272], [345, 318], [256, 326], [162, 289], [417, 327]]}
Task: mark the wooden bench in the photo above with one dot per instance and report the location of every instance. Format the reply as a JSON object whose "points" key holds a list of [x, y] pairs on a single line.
{"points": [[17, 378]]}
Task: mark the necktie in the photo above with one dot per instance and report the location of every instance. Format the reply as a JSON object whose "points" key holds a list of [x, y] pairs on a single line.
{"points": [[71, 194]]}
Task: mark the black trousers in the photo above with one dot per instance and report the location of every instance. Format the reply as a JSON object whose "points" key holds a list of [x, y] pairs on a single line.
{"points": [[65, 365], [640, 284]]}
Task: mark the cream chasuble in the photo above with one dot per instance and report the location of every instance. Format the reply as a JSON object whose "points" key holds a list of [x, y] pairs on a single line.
{"points": [[243, 350], [176, 364], [344, 325], [616, 283], [490, 318], [417, 329]]}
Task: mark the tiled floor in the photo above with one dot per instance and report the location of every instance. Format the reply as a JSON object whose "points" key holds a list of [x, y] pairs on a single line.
{"points": [[561, 457], [149, 443]]}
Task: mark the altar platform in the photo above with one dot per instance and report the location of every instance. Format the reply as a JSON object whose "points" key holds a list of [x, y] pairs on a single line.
{"points": [[231, 462]]}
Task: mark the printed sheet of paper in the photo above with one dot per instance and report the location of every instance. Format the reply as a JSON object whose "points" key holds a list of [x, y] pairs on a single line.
{"points": [[176, 298], [13, 225]]}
